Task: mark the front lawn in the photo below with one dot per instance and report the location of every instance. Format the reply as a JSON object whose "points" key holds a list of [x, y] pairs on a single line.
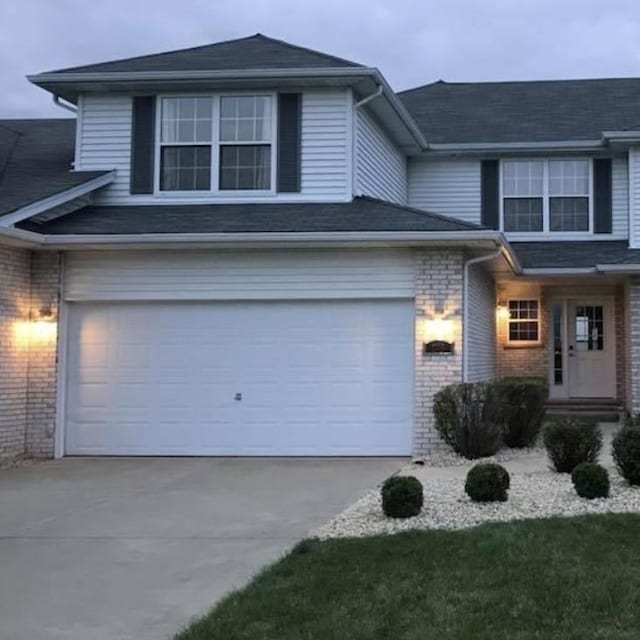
{"points": [[560, 578]]}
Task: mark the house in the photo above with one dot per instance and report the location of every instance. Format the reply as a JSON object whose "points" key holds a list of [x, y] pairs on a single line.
{"points": [[252, 248]]}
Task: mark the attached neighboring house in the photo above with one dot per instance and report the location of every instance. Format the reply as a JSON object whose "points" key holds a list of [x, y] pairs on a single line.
{"points": [[252, 248]]}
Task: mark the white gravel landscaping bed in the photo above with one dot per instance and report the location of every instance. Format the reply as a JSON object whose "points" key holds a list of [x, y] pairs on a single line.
{"points": [[446, 506], [536, 492]]}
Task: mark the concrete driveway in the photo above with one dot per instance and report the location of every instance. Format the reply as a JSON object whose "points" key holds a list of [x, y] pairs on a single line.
{"points": [[134, 547]]}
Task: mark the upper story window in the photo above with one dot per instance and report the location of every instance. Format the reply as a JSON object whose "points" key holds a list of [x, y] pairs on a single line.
{"points": [[546, 195], [216, 143]]}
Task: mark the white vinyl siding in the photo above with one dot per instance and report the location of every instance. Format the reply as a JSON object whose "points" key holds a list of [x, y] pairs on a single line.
{"points": [[634, 197], [619, 197], [481, 332], [381, 168], [452, 187], [104, 142], [445, 186], [238, 275], [326, 144]]}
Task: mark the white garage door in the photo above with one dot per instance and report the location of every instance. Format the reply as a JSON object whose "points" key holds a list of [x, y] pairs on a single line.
{"points": [[250, 378]]}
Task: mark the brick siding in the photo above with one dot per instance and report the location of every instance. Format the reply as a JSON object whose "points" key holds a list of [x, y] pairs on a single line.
{"points": [[29, 281], [438, 293], [15, 265]]}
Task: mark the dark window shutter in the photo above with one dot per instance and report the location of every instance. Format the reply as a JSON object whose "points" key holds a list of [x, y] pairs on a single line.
{"points": [[289, 135], [143, 144], [602, 195], [490, 194]]}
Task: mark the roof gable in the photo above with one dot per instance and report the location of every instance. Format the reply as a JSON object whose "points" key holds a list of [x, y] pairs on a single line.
{"points": [[254, 52], [510, 112]]}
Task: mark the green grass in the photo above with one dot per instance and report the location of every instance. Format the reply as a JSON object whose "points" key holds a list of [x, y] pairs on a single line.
{"points": [[573, 578]]}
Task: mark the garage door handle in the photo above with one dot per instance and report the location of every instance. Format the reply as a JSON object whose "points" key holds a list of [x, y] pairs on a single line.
{"points": [[238, 396]]}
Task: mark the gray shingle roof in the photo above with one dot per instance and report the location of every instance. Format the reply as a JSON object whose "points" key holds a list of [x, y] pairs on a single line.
{"points": [[35, 161], [576, 254], [361, 214], [254, 52], [541, 111]]}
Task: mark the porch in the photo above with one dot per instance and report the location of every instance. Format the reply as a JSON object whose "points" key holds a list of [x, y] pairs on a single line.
{"points": [[573, 332]]}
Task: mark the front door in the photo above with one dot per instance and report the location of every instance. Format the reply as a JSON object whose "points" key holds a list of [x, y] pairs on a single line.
{"points": [[590, 348]]}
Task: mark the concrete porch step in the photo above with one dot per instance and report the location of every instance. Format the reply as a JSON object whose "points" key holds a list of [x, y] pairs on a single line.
{"points": [[594, 409]]}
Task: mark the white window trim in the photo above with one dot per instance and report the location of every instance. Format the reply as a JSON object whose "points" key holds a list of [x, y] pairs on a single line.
{"points": [[545, 199], [215, 147], [525, 343]]}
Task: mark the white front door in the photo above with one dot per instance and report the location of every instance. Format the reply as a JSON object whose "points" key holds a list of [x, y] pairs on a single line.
{"points": [[590, 348]]}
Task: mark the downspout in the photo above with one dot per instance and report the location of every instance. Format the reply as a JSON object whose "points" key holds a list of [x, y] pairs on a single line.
{"points": [[465, 307], [369, 98], [63, 105], [354, 150]]}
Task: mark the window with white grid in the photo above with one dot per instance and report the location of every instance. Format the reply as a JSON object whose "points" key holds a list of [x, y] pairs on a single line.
{"points": [[546, 195], [216, 143]]}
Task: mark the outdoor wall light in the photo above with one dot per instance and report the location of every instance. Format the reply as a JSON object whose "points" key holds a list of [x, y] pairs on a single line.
{"points": [[502, 311], [438, 336], [40, 328]]}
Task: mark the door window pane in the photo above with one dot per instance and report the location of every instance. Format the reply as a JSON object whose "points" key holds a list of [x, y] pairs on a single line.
{"points": [[558, 373], [589, 328]]}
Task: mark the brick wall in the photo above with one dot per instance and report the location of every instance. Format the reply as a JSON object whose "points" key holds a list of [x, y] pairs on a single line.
{"points": [[438, 289], [633, 345], [530, 359], [41, 396], [14, 311], [29, 281], [621, 356]]}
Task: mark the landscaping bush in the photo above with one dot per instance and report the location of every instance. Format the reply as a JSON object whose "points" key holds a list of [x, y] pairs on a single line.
{"points": [[467, 417], [590, 480], [487, 483], [522, 407], [402, 497], [570, 441], [626, 450]]}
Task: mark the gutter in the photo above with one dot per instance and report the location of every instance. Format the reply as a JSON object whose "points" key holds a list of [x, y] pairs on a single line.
{"points": [[21, 238], [465, 307], [559, 271], [478, 147], [618, 268], [241, 75], [281, 238], [224, 74]]}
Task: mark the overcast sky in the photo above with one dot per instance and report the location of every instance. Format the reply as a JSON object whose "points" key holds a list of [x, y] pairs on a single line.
{"points": [[411, 42]]}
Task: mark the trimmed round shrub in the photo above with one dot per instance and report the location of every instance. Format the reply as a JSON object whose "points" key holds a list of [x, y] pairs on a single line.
{"points": [[402, 497], [522, 406], [487, 483], [467, 417], [626, 450], [590, 480], [569, 442]]}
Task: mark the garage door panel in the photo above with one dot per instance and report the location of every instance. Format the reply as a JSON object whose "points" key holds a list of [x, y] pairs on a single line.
{"points": [[316, 378]]}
